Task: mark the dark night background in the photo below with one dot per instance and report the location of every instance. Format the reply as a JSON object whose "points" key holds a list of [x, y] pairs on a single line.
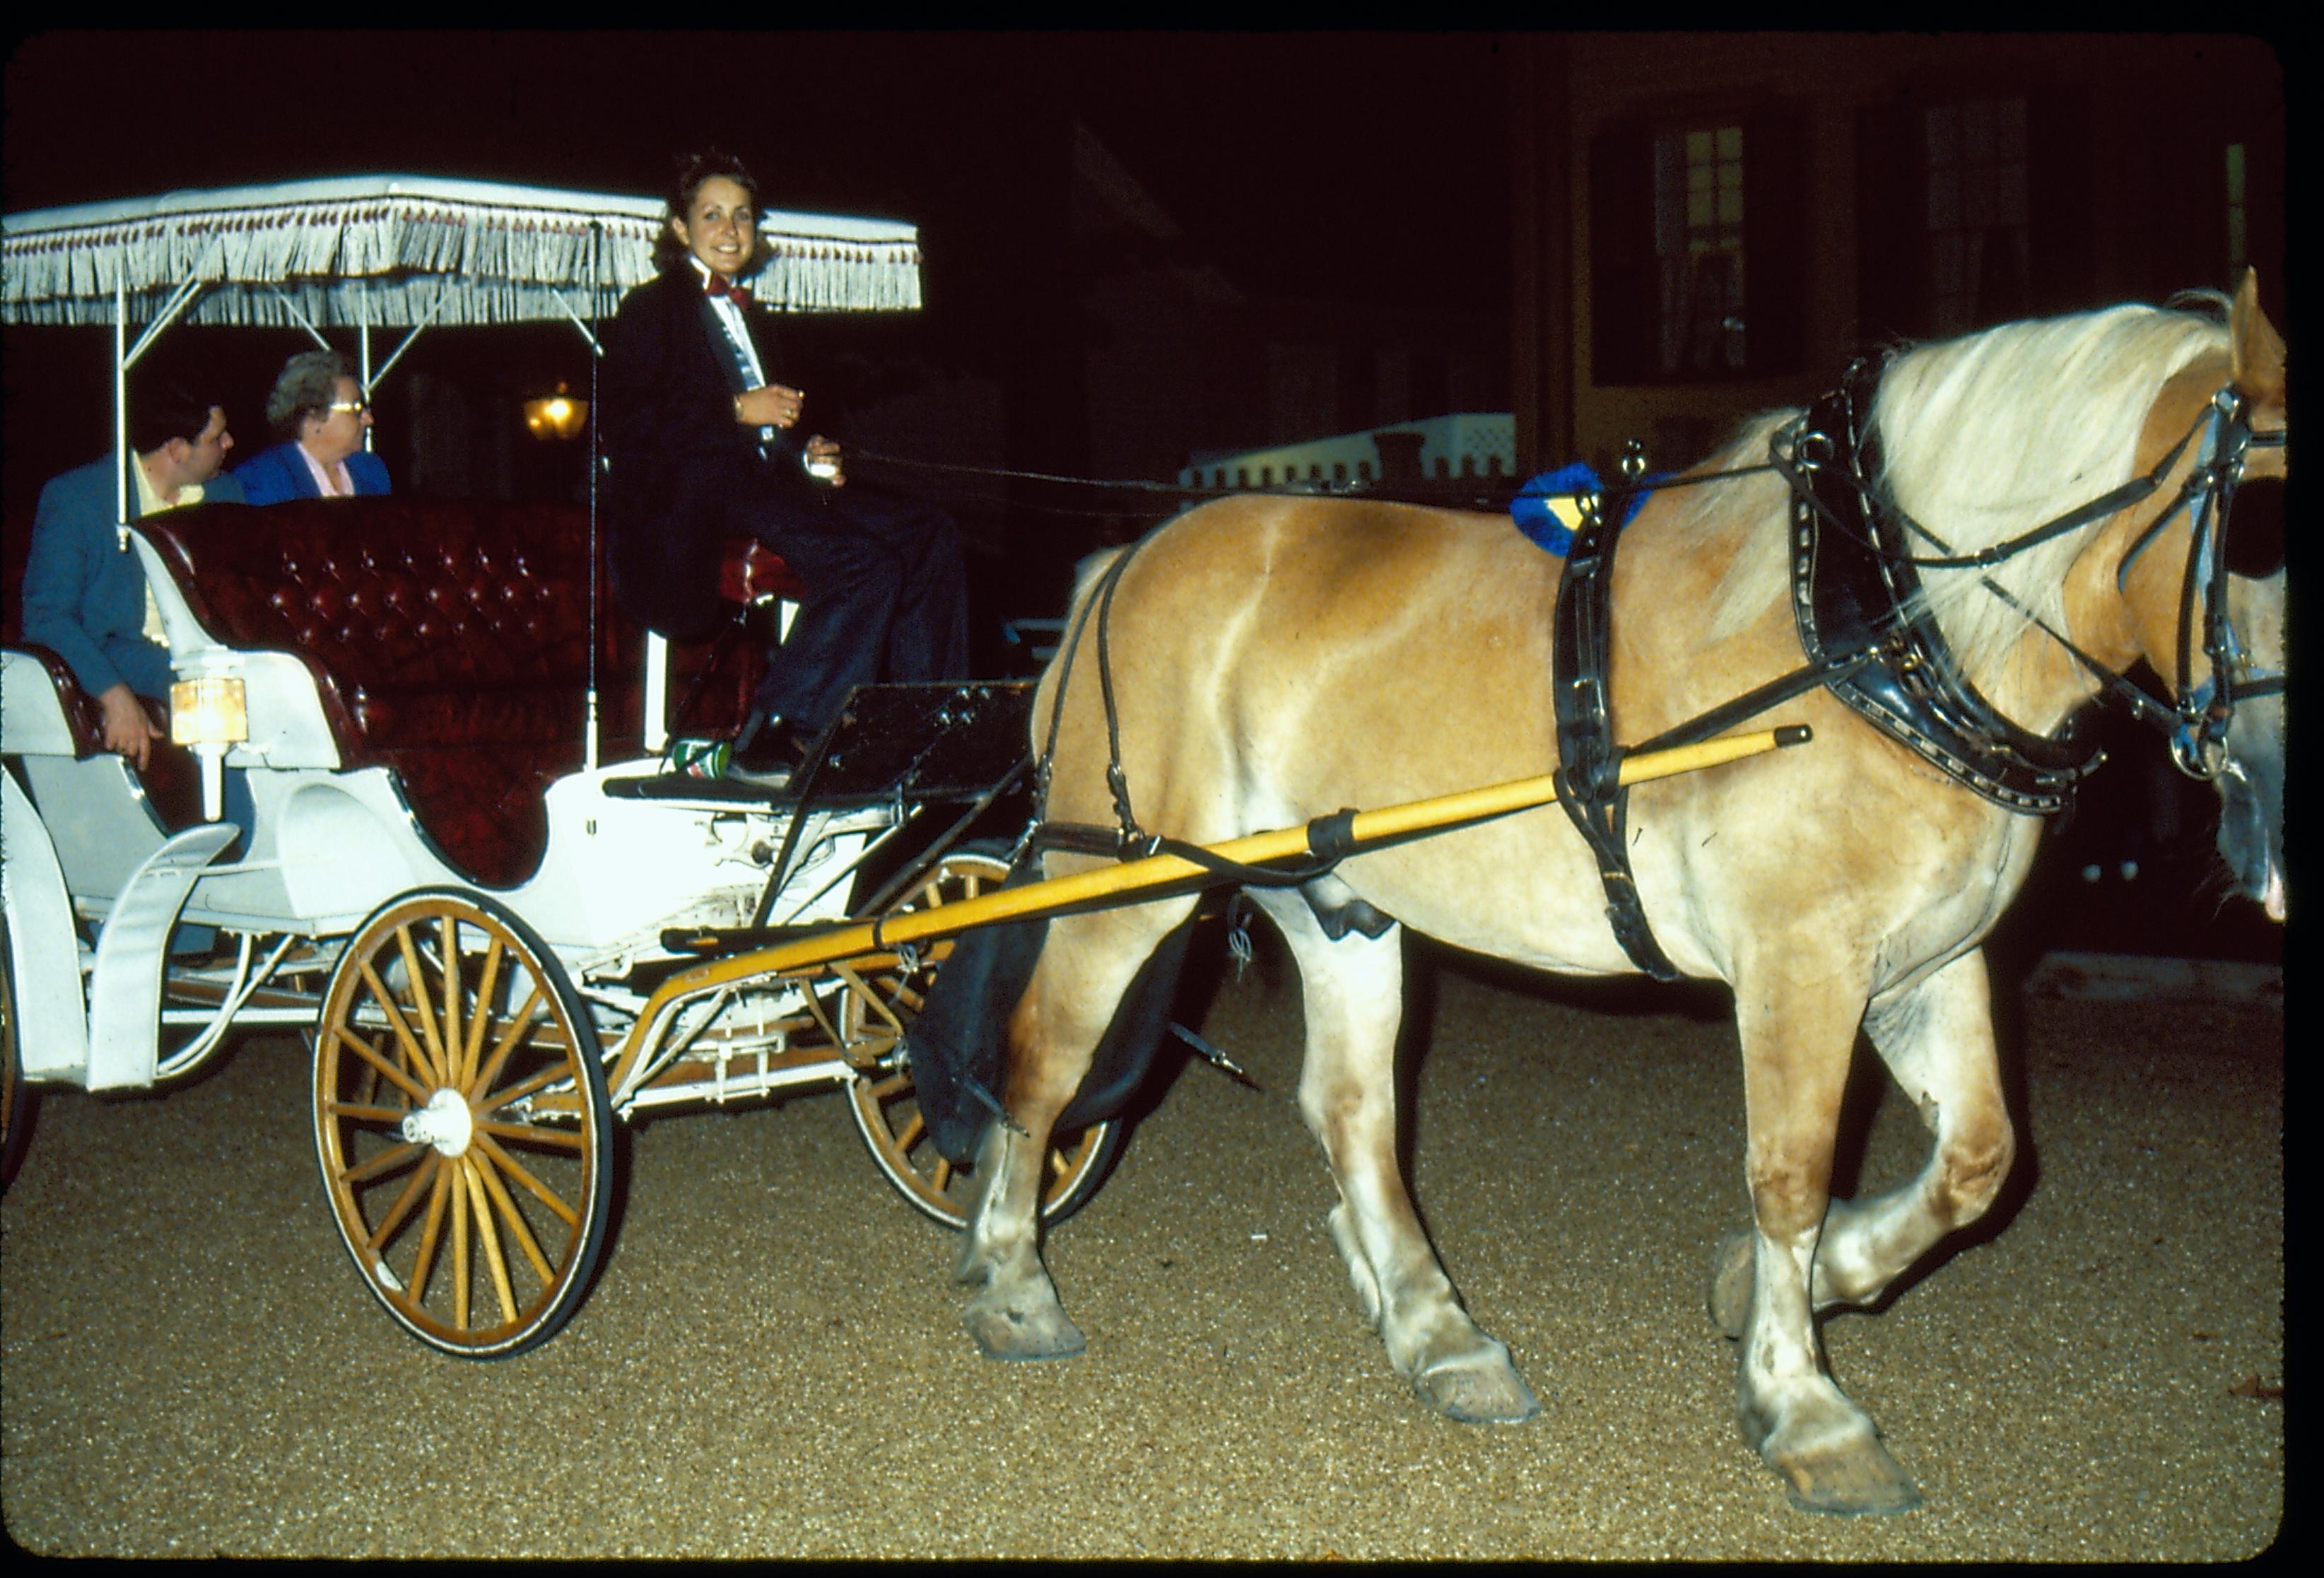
{"points": [[1345, 172], [1279, 155]]}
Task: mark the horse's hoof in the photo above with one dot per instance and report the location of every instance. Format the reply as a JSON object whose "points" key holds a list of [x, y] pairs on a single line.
{"points": [[1482, 1388], [1730, 1283], [1023, 1331], [1854, 1476]]}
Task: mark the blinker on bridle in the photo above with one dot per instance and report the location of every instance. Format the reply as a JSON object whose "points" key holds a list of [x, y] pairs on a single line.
{"points": [[2197, 723]]}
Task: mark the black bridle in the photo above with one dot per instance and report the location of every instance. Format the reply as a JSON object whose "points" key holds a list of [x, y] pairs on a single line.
{"points": [[2197, 723]]}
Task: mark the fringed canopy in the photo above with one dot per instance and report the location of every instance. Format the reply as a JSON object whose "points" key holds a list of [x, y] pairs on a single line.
{"points": [[398, 250]]}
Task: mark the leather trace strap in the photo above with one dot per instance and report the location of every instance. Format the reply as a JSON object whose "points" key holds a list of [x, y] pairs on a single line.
{"points": [[1589, 764], [1329, 838], [1100, 602]]}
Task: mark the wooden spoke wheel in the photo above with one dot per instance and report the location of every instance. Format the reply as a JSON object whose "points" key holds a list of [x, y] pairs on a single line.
{"points": [[462, 1123], [877, 1004]]}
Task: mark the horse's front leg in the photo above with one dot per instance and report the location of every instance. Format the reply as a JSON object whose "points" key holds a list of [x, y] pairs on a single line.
{"points": [[1798, 1032], [1936, 1038], [1087, 964], [1354, 1002]]}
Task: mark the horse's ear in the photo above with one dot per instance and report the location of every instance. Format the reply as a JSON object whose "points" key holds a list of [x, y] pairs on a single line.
{"points": [[2258, 348]]}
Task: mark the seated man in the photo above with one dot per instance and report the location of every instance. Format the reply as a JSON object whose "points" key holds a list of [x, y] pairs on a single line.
{"points": [[320, 413], [85, 593]]}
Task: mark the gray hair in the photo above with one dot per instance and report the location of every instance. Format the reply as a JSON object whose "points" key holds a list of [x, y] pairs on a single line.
{"points": [[308, 384]]}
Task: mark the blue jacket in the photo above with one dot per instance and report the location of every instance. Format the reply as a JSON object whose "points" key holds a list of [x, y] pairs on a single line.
{"points": [[272, 476], [84, 596]]}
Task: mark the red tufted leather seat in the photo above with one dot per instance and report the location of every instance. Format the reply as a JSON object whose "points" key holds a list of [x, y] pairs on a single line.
{"points": [[449, 642]]}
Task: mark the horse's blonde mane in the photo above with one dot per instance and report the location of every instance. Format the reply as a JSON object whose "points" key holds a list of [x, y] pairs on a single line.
{"points": [[1983, 438]]}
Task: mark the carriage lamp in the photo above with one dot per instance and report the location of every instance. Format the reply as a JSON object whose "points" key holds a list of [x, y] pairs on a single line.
{"points": [[207, 714], [556, 416]]}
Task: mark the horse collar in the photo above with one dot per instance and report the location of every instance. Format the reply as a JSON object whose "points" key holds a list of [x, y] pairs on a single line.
{"points": [[1855, 590]]}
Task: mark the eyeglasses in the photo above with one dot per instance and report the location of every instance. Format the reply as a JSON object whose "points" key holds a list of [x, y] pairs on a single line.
{"points": [[352, 407]]}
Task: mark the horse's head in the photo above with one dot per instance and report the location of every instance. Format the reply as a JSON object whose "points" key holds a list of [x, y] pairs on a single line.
{"points": [[2208, 607]]}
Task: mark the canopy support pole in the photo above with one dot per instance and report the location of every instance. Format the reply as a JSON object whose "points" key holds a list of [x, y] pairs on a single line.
{"points": [[589, 729], [302, 319], [125, 356], [372, 380], [363, 354], [588, 333], [179, 300], [121, 413]]}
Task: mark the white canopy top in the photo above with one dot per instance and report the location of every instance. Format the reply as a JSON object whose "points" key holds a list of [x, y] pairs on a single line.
{"points": [[389, 250]]}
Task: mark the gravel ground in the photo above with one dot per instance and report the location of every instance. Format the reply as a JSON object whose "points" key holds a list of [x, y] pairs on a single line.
{"points": [[772, 1362]]}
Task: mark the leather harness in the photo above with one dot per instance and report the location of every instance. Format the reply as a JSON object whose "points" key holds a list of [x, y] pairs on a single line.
{"points": [[1863, 626]]}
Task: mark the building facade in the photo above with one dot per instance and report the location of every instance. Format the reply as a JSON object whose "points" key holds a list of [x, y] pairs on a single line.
{"points": [[1711, 225]]}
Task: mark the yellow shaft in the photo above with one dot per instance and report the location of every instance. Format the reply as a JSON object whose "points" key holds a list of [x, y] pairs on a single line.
{"points": [[1157, 870]]}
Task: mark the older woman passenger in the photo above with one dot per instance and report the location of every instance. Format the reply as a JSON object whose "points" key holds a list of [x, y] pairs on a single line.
{"points": [[320, 412]]}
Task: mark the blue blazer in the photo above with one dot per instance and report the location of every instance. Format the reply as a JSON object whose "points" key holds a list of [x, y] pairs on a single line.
{"points": [[272, 476], [84, 596]]}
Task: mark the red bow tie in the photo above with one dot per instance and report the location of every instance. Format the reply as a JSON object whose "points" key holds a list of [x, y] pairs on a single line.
{"points": [[719, 285]]}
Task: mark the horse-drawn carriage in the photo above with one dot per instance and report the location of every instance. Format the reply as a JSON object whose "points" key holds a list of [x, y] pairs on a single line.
{"points": [[1966, 546], [466, 861]]}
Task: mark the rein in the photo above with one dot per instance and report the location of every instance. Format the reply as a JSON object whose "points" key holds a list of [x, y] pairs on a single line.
{"points": [[1311, 489]]}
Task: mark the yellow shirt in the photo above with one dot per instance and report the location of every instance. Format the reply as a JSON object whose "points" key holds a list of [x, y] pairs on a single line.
{"points": [[150, 502]]}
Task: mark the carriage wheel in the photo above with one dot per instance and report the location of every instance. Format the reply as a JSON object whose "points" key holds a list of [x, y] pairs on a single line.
{"points": [[462, 1123], [876, 1006], [16, 1100]]}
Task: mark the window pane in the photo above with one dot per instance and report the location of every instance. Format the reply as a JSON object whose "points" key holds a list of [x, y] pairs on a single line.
{"points": [[2012, 129], [1670, 196], [1977, 133], [2010, 195], [1944, 136], [1944, 200]]}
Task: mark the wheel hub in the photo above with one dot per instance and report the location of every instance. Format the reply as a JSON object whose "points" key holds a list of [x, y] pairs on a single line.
{"points": [[444, 1122]]}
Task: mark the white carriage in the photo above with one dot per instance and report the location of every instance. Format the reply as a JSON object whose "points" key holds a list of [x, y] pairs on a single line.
{"points": [[474, 1040]]}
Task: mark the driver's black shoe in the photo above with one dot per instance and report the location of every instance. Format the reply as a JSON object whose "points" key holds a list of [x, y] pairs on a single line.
{"points": [[768, 754]]}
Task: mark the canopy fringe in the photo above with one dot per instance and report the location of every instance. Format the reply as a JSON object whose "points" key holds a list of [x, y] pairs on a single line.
{"points": [[388, 260]]}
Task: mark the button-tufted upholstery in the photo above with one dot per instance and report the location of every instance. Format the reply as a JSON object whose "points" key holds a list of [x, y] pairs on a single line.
{"points": [[449, 642]]}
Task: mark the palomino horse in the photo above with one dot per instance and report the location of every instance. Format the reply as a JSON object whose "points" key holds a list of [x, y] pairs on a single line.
{"points": [[1273, 660]]}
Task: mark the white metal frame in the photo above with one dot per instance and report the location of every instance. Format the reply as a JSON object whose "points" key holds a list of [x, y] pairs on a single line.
{"points": [[329, 844]]}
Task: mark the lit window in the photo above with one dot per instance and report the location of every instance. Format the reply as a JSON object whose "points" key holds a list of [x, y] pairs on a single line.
{"points": [[1698, 249], [1698, 263]]}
